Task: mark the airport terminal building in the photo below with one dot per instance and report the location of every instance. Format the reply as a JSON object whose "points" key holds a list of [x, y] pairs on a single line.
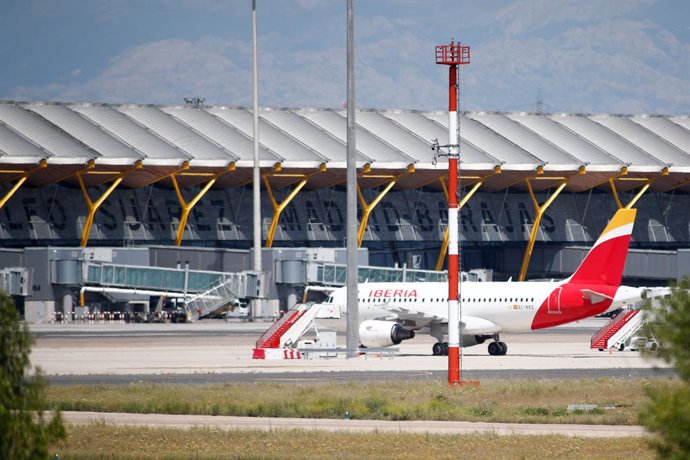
{"points": [[104, 205]]}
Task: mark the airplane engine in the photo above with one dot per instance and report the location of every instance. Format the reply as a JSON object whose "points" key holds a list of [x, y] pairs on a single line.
{"points": [[376, 334]]}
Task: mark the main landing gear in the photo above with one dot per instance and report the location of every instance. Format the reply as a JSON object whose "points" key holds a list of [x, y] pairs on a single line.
{"points": [[498, 348]]}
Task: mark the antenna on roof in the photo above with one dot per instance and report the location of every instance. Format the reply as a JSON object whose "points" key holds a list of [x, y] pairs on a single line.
{"points": [[195, 101], [540, 102]]}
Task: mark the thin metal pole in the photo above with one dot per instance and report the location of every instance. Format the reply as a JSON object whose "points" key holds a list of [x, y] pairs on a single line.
{"points": [[256, 179], [352, 307]]}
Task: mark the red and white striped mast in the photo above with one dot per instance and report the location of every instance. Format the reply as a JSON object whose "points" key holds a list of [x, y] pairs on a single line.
{"points": [[453, 55]]}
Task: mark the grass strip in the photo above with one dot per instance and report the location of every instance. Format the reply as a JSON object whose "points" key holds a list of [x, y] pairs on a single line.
{"points": [[516, 401], [102, 441]]}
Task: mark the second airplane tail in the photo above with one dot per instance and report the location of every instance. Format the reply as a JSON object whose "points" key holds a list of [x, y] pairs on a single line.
{"points": [[604, 263]]}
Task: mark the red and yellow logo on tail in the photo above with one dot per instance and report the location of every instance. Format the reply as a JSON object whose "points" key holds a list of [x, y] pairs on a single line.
{"points": [[604, 263], [601, 271]]}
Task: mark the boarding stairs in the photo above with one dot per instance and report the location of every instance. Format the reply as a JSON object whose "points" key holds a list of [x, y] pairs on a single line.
{"points": [[279, 340], [618, 330], [216, 297]]}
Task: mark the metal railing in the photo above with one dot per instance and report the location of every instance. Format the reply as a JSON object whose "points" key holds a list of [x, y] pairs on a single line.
{"points": [[214, 298], [336, 274], [162, 279]]}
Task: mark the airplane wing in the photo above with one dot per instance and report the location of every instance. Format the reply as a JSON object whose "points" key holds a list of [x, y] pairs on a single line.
{"points": [[473, 325], [595, 297], [420, 318]]}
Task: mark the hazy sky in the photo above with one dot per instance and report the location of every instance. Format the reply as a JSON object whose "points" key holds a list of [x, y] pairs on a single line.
{"points": [[588, 56]]}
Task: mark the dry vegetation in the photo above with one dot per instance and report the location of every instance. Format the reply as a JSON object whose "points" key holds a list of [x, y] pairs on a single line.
{"points": [[100, 441], [523, 401]]}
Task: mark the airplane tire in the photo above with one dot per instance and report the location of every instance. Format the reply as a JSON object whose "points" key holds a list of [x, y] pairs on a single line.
{"points": [[445, 348], [494, 349], [437, 349], [504, 348]]}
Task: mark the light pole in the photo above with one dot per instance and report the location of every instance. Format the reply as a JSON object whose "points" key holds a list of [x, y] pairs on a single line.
{"points": [[453, 55], [256, 179], [352, 269]]}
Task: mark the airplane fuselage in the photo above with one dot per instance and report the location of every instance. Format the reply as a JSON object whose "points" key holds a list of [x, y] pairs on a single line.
{"points": [[516, 307], [488, 309]]}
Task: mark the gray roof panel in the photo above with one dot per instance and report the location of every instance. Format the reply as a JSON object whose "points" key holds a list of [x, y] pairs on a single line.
{"points": [[564, 139], [15, 147], [395, 135], [85, 131], [238, 144], [41, 132], [488, 140], [683, 121], [670, 132], [138, 136], [285, 147], [652, 144], [519, 135], [619, 150], [368, 145], [198, 147], [308, 133], [305, 138], [430, 130]]}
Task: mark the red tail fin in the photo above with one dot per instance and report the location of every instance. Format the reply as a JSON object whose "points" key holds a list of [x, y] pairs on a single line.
{"points": [[604, 263]]}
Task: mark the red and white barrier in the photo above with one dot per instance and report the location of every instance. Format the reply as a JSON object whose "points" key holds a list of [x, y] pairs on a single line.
{"points": [[276, 353]]}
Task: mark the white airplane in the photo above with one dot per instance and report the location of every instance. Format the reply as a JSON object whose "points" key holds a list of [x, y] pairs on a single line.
{"points": [[392, 312]]}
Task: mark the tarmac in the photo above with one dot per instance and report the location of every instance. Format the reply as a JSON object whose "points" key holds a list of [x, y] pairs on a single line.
{"points": [[215, 346]]}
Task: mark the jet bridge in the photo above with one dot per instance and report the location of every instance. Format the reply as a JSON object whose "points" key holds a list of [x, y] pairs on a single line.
{"points": [[330, 274], [202, 291]]}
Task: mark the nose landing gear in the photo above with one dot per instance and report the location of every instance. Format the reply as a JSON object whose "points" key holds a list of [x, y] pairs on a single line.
{"points": [[440, 349]]}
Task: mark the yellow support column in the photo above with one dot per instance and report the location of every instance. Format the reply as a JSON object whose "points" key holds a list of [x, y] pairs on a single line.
{"points": [[647, 183], [14, 189], [367, 208], [279, 207], [24, 176], [642, 191], [94, 205], [615, 193], [535, 226], [187, 207]]}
